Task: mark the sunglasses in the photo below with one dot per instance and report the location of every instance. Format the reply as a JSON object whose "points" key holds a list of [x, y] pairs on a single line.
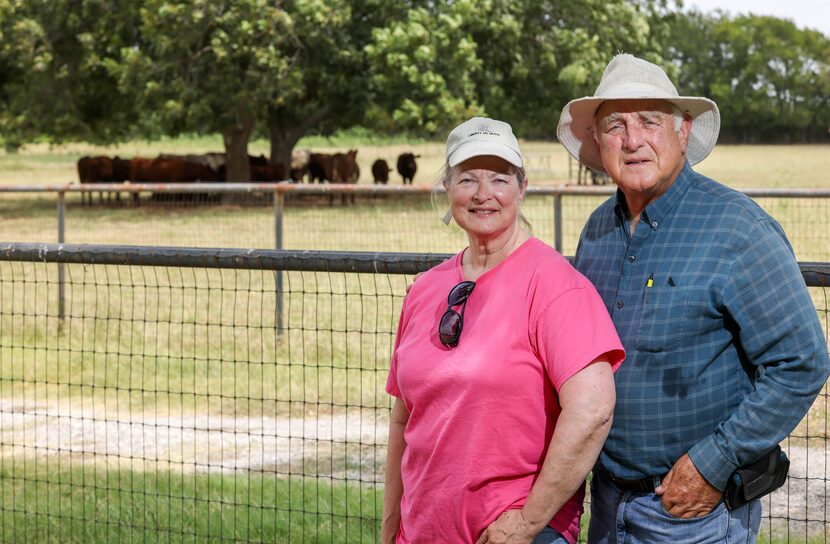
{"points": [[449, 328]]}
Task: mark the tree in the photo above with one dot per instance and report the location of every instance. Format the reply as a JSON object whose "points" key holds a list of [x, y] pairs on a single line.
{"points": [[55, 60], [210, 66], [548, 53], [770, 79], [325, 87], [516, 60], [422, 69], [19, 55]]}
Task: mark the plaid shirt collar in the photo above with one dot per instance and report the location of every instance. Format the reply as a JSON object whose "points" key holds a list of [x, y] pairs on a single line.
{"points": [[655, 212]]}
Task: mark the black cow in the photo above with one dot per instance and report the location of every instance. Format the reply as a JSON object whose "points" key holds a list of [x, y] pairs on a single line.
{"points": [[407, 167], [380, 171]]}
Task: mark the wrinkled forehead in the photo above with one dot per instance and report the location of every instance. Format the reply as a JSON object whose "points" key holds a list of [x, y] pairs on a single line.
{"points": [[611, 108]]}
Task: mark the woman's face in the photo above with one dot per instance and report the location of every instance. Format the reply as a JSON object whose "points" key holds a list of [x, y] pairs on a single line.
{"points": [[485, 195]]}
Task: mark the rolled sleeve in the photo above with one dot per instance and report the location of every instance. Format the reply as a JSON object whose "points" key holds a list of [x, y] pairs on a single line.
{"points": [[781, 336]]}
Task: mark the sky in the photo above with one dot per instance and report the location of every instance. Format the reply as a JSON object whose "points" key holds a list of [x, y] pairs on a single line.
{"points": [[814, 14]]}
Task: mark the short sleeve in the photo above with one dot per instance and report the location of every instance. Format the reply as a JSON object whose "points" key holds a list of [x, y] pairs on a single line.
{"points": [[392, 379], [572, 332]]}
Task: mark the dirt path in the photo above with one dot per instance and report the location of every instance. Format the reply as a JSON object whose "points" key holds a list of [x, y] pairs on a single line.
{"points": [[347, 445]]}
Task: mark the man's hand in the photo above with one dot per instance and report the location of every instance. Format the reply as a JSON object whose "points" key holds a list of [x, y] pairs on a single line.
{"points": [[509, 528], [418, 275], [687, 494]]}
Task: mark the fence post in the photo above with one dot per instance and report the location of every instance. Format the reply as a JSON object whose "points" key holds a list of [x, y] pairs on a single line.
{"points": [[557, 222], [279, 205], [61, 279]]}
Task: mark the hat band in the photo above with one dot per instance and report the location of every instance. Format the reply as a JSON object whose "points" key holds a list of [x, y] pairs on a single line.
{"points": [[636, 90]]}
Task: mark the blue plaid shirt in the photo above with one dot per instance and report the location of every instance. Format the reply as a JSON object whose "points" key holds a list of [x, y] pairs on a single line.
{"points": [[724, 350]]}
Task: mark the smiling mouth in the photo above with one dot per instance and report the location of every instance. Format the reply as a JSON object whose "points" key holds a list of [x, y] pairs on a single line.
{"points": [[482, 212]]}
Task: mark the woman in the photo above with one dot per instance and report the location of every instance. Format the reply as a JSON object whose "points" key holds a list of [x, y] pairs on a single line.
{"points": [[502, 371]]}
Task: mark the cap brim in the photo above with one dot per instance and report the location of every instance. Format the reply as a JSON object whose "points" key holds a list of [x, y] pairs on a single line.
{"points": [[576, 123], [478, 148]]}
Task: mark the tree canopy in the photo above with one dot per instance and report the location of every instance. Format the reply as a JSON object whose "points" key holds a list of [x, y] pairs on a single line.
{"points": [[106, 70], [770, 79]]}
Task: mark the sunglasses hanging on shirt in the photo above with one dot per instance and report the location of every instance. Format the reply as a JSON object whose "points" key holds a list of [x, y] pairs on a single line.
{"points": [[452, 322]]}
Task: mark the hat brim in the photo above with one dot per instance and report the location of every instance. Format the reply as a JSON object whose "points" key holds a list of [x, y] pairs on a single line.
{"points": [[477, 148], [577, 120]]}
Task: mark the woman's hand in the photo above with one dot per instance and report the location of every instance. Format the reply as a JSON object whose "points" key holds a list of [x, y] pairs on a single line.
{"points": [[509, 528]]}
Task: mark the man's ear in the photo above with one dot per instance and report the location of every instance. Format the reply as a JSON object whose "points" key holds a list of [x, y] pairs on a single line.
{"points": [[684, 132]]}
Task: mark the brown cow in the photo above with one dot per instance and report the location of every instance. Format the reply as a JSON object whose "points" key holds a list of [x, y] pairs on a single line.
{"points": [[120, 169], [170, 170], [94, 170], [380, 171], [345, 167], [320, 167], [103, 169], [167, 169], [346, 170], [268, 172]]}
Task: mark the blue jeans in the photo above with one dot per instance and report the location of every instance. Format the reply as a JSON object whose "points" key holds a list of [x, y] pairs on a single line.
{"points": [[549, 535], [631, 517]]}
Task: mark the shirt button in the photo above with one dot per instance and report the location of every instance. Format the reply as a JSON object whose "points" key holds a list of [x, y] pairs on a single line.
{"points": [[654, 224], [619, 304], [631, 258]]}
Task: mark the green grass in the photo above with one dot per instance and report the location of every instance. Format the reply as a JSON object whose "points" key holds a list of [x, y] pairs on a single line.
{"points": [[54, 503], [65, 503], [184, 336]]}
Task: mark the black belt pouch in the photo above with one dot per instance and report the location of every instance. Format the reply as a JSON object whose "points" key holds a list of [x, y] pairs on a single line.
{"points": [[755, 480]]}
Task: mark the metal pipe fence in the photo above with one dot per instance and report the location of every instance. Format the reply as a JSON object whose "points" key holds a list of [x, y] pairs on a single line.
{"points": [[165, 405], [289, 216]]}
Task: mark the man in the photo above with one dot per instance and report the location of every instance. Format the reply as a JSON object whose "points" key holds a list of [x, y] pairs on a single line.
{"points": [[725, 351]]}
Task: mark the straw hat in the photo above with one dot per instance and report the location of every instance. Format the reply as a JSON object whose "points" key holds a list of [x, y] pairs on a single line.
{"points": [[627, 77], [482, 136]]}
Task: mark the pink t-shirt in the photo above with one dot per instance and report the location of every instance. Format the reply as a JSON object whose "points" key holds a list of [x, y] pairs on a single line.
{"points": [[482, 413]]}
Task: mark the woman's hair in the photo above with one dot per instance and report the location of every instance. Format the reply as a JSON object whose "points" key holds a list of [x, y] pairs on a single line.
{"points": [[446, 175]]}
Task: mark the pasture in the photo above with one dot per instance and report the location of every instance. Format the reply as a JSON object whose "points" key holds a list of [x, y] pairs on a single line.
{"points": [[167, 407], [761, 166], [372, 224]]}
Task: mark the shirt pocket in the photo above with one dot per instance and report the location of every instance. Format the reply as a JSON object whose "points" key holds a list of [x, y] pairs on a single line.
{"points": [[663, 318]]}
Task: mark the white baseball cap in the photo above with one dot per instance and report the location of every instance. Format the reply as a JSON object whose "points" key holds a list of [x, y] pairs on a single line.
{"points": [[482, 136], [628, 77]]}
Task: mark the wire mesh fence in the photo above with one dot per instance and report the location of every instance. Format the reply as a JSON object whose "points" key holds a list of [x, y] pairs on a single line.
{"points": [[380, 219], [194, 395]]}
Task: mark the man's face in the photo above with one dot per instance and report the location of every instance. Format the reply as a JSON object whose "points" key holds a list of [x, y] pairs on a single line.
{"points": [[640, 148]]}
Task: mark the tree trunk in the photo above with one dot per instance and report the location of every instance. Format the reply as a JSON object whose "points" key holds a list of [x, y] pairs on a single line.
{"points": [[283, 141], [285, 132], [236, 139]]}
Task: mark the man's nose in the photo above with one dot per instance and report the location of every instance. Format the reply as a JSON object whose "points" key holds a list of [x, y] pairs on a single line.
{"points": [[633, 139]]}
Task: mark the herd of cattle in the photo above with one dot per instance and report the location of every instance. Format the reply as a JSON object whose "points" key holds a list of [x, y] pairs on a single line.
{"points": [[210, 167]]}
